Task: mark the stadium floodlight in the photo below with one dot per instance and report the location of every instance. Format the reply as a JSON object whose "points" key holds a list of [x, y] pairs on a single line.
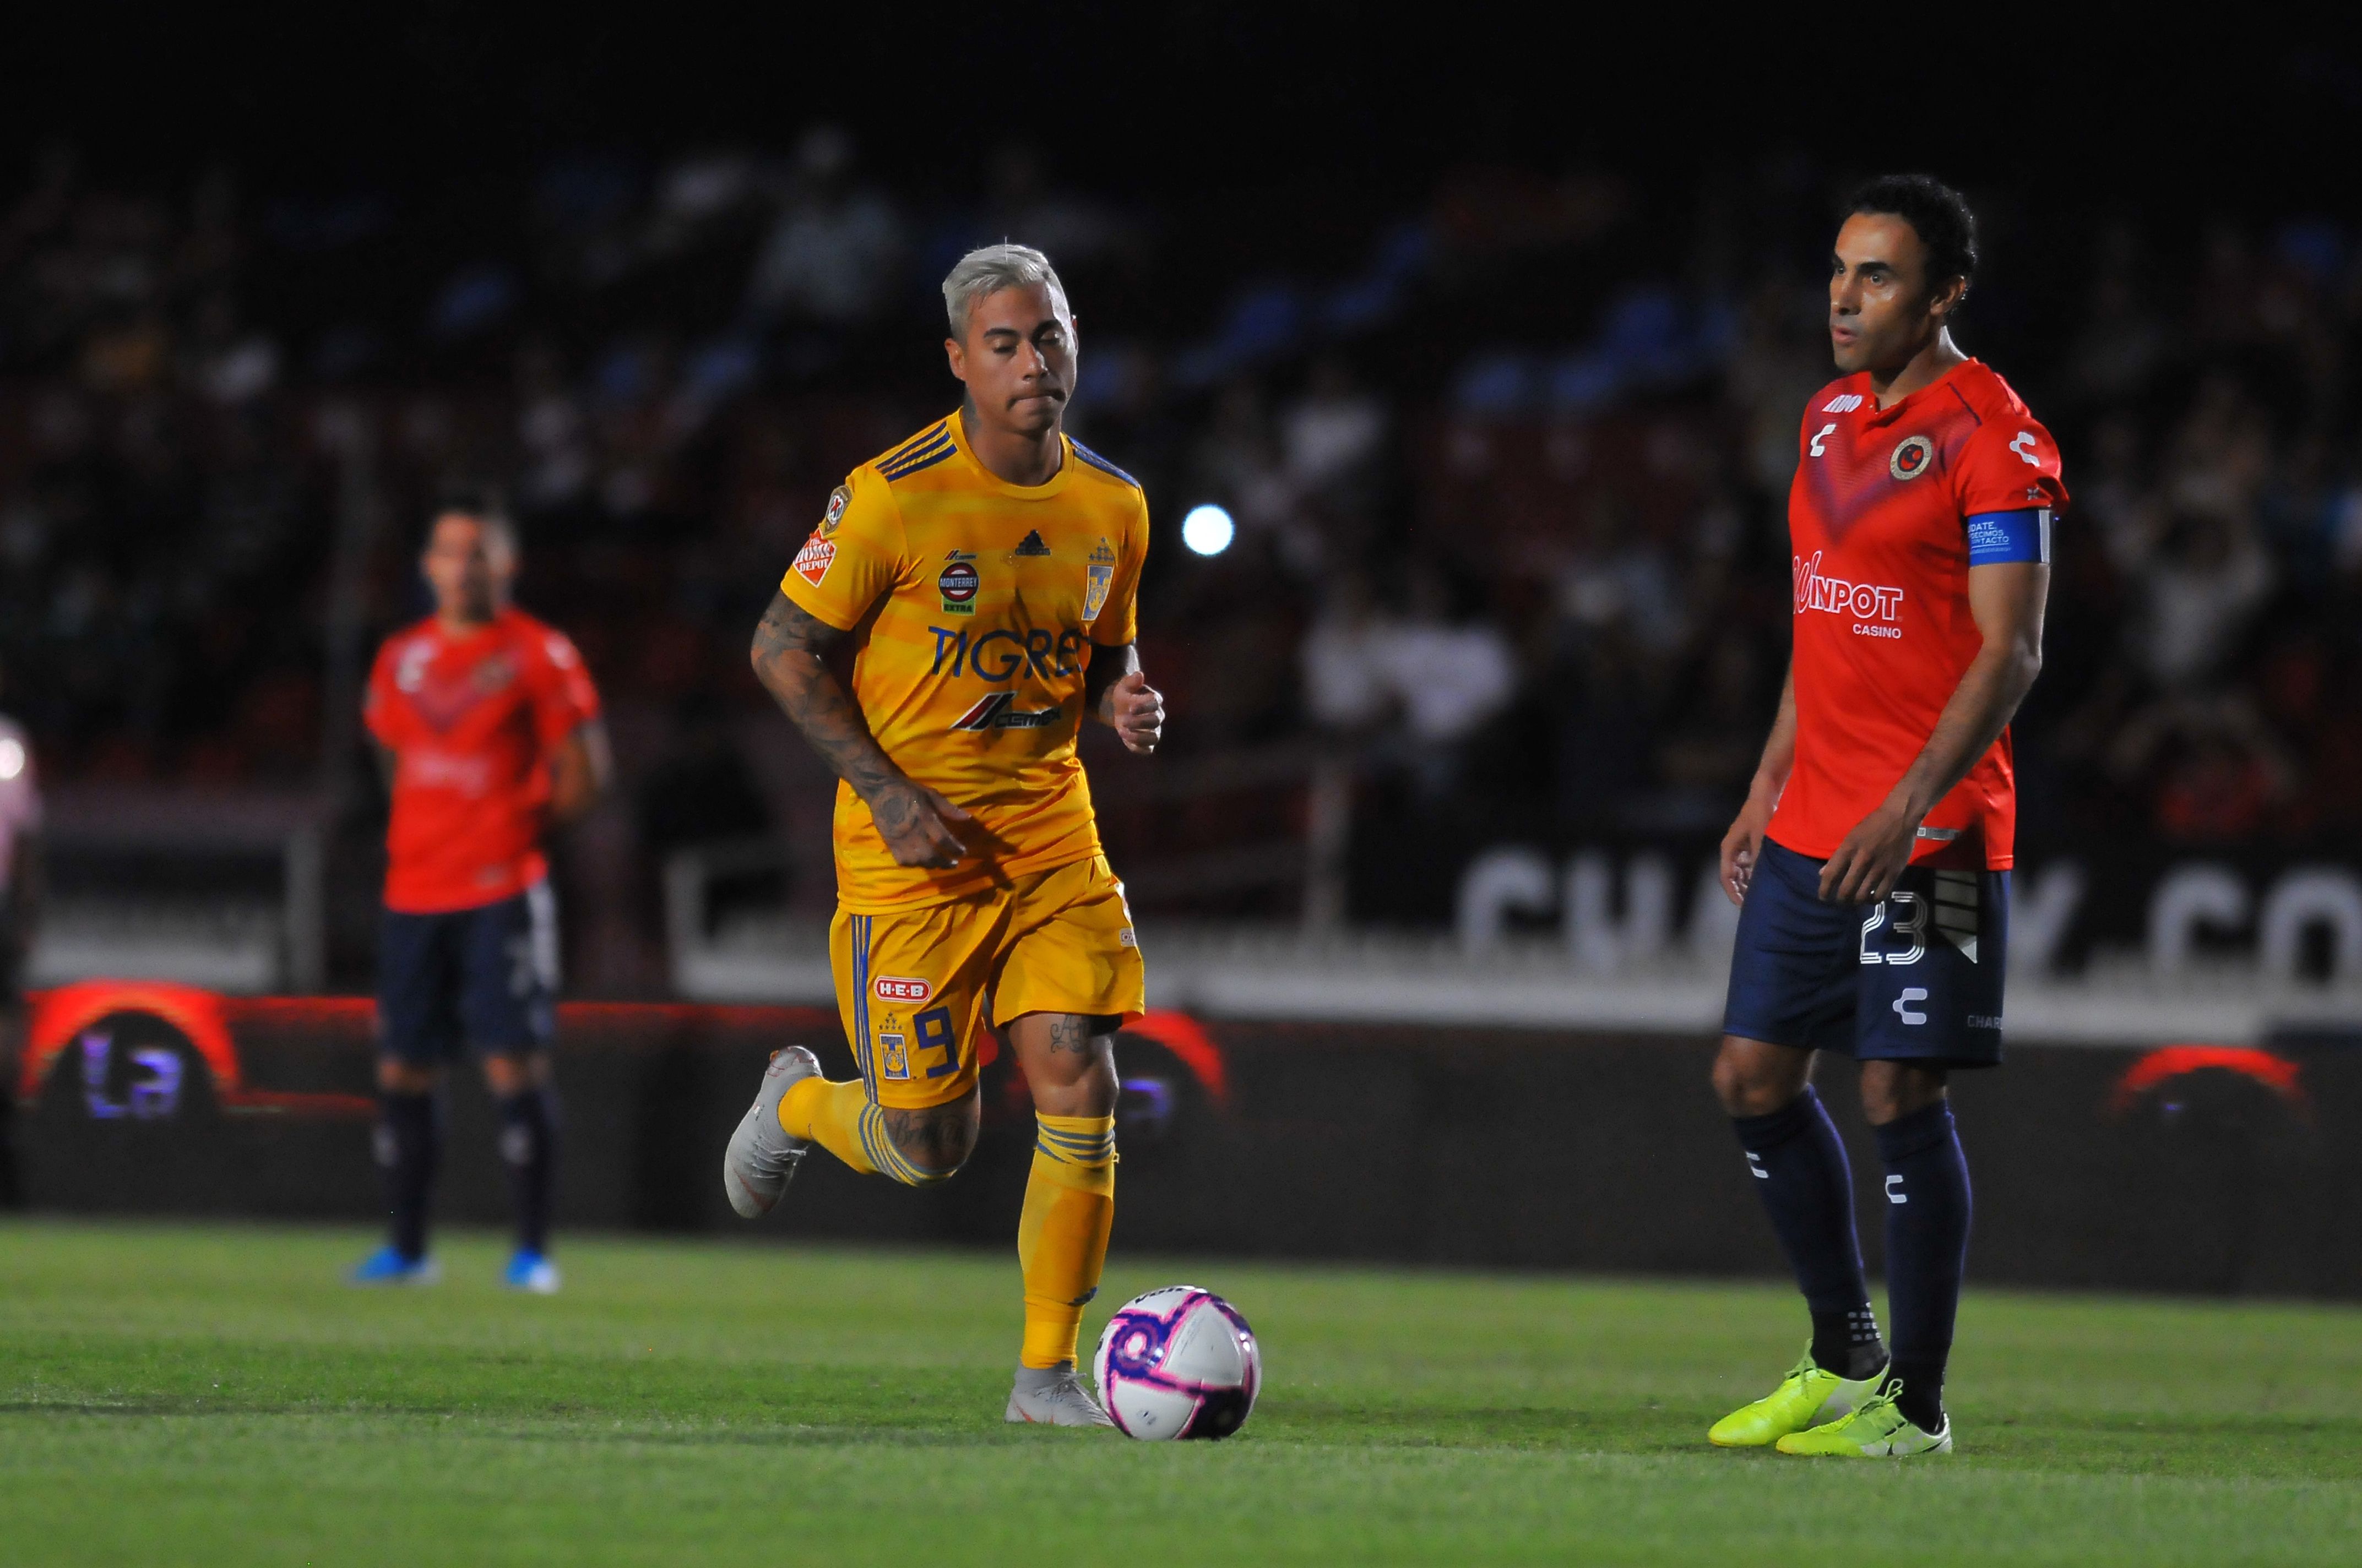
{"points": [[1207, 530]]}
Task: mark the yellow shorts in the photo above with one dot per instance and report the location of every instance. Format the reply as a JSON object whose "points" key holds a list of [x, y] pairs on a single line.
{"points": [[912, 984]]}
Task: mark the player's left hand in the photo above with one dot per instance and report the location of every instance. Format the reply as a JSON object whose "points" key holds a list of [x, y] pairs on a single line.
{"points": [[1870, 860], [1136, 709]]}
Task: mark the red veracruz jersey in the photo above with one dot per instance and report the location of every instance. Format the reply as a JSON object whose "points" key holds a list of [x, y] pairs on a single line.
{"points": [[473, 721], [1887, 508]]}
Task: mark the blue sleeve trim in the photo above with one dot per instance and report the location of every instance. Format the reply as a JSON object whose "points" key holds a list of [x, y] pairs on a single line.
{"points": [[1995, 537], [1096, 461]]}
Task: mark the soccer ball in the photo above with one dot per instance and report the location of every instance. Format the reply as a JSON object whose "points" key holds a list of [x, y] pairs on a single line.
{"points": [[1178, 1362]]}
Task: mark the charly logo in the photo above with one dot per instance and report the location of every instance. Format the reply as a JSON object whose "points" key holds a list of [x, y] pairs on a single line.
{"points": [[1912, 455], [998, 710]]}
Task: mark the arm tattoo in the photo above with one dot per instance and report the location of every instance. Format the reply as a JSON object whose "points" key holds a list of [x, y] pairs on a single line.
{"points": [[1108, 666], [790, 653]]}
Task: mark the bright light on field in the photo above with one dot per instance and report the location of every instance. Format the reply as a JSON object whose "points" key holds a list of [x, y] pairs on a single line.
{"points": [[1207, 530], [12, 757]]}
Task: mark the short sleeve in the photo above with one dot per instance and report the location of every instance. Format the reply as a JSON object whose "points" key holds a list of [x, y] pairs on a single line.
{"points": [[1117, 621], [854, 558], [380, 710], [2009, 464], [563, 697]]}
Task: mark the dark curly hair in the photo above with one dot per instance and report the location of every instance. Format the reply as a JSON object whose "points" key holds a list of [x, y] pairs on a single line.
{"points": [[1939, 215]]}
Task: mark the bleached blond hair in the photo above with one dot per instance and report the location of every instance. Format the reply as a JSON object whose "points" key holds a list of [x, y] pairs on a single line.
{"points": [[990, 268]]}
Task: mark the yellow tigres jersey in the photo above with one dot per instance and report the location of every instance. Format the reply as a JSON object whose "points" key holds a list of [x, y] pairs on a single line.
{"points": [[974, 605]]}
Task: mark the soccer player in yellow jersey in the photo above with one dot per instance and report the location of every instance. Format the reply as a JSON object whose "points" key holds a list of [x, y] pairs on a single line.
{"points": [[979, 579]]}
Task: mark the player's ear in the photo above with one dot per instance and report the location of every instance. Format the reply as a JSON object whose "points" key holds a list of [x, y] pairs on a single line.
{"points": [[958, 356]]}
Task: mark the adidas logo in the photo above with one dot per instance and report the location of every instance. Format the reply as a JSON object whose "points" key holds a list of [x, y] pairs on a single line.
{"points": [[1032, 545]]}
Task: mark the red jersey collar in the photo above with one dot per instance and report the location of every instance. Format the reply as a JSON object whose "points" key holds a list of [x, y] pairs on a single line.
{"points": [[500, 622], [1874, 415]]}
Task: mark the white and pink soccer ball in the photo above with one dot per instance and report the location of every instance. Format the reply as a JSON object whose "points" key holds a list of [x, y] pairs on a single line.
{"points": [[1178, 1363]]}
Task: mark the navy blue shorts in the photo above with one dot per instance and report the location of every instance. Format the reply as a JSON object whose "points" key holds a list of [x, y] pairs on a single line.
{"points": [[482, 979], [1917, 978]]}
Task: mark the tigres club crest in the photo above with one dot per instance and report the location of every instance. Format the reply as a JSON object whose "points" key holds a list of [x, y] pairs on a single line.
{"points": [[1912, 455], [1101, 577]]}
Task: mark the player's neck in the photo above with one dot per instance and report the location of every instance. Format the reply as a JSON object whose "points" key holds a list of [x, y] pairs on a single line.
{"points": [[1924, 369], [1014, 457], [459, 620]]}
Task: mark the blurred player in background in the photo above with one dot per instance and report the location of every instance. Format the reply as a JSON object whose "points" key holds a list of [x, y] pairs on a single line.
{"points": [[1871, 863], [20, 903], [979, 580], [488, 729]]}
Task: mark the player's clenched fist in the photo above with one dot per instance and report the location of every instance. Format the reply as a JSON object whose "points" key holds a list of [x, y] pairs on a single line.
{"points": [[916, 823], [1136, 711]]}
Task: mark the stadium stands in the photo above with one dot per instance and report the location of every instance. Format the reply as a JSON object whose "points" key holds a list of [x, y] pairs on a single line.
{"points": [[1515, 576]]}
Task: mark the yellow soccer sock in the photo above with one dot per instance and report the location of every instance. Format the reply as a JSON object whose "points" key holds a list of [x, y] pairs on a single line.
{"points": [[830, 1115], [839, 1118], [1061, 1236]]}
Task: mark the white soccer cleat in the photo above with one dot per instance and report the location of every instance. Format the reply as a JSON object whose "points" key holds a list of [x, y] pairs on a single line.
{"points": [[1052, 1397], [762, 1158]]}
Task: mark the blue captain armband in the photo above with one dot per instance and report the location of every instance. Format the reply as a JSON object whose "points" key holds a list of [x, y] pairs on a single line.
{"points": [[1997, 537]]}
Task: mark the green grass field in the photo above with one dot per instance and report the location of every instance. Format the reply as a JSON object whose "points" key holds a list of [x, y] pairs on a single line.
{"points": [[213, 1394]]}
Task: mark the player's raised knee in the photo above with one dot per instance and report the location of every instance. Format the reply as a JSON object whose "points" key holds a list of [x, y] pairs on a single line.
{"points": [[892, 1162], [920, 1148]]}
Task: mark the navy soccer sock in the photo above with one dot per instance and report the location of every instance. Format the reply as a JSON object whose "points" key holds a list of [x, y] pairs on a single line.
{"points": [[529, 1149], [409, 1143], [1799, 1165], [1927, 1210]]}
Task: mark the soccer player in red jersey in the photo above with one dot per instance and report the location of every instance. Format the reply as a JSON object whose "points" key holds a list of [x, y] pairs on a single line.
{"points": [[488, 728], [1871, 863]]}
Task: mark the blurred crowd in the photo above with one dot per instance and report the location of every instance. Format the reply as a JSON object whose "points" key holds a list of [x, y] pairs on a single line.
{"points": [[1507, 485]]}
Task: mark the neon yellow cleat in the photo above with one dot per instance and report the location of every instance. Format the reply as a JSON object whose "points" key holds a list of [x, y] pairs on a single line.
{"points": [[1806, 1397], [1876, 1430]]}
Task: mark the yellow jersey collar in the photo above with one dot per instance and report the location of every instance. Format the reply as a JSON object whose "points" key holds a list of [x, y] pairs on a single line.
{"points": [[1041, 492]]}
